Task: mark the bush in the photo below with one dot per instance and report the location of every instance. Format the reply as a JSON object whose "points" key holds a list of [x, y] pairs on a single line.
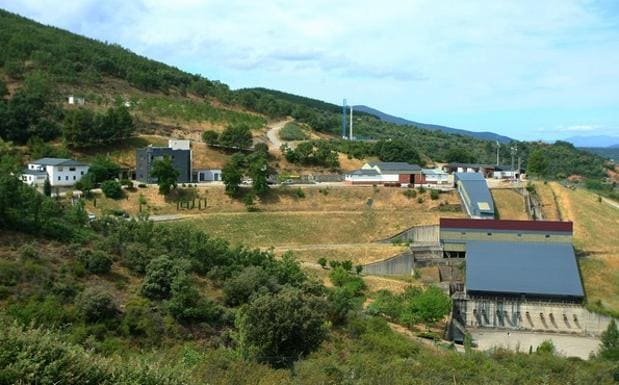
{"points": [[322, 261], [292, 131], [95, 262], [136, 257], [299, 192], [420, 200], [281, 328], [187, 305], [410, 193], [140, 320], [422, 190], [434, 194], [112, 189], [160, 273], [252, 280], [95, 303], [28, 252]]}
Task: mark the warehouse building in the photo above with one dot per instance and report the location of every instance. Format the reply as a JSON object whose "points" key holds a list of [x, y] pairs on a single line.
{"points": [[387, 173], [475, 195], [519, 275]]}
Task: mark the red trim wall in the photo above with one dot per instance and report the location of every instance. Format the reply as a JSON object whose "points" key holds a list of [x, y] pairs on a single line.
{"points": [[458, 223]]}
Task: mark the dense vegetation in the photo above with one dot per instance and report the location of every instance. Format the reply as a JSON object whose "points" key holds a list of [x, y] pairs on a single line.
{"points": [[292, 131]]}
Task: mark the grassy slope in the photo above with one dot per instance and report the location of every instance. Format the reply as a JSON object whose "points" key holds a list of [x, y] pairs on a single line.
{"points": [[509, 204], [596, 233]]}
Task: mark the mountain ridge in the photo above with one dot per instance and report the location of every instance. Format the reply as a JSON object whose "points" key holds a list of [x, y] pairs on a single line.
{"points": [[484, 135]]}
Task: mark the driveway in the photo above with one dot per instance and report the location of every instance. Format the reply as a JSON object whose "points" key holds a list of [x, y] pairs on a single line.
{"points": [[273, 134]]}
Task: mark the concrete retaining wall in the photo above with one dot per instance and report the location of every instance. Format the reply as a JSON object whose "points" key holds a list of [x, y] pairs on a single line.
{"points": [[399, 265], [530, 315], [416, 234]]}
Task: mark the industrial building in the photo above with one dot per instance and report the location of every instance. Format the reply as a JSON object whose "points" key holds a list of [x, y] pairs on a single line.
{"points": [[387, 173], [178, 151], [475, 195]]}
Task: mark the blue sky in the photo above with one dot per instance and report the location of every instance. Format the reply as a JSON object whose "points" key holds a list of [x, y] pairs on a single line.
{"points": [[528, 69]]}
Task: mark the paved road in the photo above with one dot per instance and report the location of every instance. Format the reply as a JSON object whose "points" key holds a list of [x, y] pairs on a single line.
{"points": [[166, 217], [567, 345]]}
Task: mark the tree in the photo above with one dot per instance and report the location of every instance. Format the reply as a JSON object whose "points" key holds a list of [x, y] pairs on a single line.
{"points": [[281, 328], [47, 188], [95, 261], [165, 173], [112, 189], [160, 273], [95, 304], [186, 304], [609, 347], [252, 280], [459, 155], [236, 135], [259, 173], [431, 305], [397, 151], [232, 173], [103, 168], [537, 163], [210, 137]]}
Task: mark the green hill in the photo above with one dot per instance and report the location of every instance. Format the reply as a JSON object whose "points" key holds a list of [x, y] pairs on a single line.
{"points": [[42, 65]]}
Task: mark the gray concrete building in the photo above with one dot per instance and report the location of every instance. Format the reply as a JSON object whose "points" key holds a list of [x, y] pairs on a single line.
{"points": [[146, 157]]}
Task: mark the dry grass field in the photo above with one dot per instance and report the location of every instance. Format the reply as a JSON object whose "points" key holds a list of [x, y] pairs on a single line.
{"points": [[547, 200], [596, 233], [509, 204]]}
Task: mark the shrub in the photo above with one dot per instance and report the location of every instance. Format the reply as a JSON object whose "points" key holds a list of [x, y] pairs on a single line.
{"points": [[546, 347], [347, 265], [420, 200], [280, 328], [186, 303], [410, 193], [28, 252], [299, 192], [252, 280], [112, 189], [292, 131], [322, 261], [160, 273], [95, 262], [434, 194], [140, 320], [136, 257], [95, 303], [422, 190]]}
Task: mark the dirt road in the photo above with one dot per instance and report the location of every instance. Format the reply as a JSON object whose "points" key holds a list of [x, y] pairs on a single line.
{"points": [[273, 134]]}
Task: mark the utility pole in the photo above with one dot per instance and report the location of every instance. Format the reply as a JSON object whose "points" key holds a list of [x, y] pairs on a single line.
{"points": [[514, 151], [498, 146]]}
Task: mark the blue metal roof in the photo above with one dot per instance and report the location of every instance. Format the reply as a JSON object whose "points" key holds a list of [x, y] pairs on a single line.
{"points": [[476, 196], [516, 268]]}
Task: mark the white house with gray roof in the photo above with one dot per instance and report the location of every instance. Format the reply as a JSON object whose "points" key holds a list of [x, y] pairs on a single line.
{"points": [[60, 172]]}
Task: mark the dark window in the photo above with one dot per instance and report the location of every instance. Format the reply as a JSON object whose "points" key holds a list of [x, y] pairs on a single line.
{"points": [[489, 234], [463, 233], [547, 235], [520, 235], [66, 177], [73, 177], [71, 168], [58, 178]]}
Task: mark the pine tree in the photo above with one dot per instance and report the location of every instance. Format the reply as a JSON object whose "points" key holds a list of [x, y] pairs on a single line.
{"points": [[609, 348]]}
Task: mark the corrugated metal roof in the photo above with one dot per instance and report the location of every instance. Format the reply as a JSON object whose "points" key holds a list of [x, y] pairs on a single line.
{"points": [[535, 269], [58, 162], [396, 166], [364, 172], [485, 224], [476, 195]]}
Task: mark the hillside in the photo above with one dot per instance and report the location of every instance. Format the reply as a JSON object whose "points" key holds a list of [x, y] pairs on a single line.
{"points": [[484, 135], [42, 66]]}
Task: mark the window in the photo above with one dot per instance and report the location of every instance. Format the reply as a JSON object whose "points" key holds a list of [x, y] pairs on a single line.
{"points": [[547, 236], [489, 234], [58, 178], [81, 172], [71, 168], [66, 177], [520, 235], [73, 177], [463, 233]]}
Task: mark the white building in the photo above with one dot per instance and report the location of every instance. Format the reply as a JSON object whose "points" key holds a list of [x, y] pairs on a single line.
{"points": [[435, 176], [60, 172], [207, 175], [179, 144]]}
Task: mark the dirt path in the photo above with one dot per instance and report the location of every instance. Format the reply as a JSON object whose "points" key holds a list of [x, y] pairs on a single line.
{"points": [[610, 203], [273, 134]]}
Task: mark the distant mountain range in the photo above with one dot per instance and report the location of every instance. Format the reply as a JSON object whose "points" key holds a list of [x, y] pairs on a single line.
{"points": [[601, 141], [405, 122]]}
